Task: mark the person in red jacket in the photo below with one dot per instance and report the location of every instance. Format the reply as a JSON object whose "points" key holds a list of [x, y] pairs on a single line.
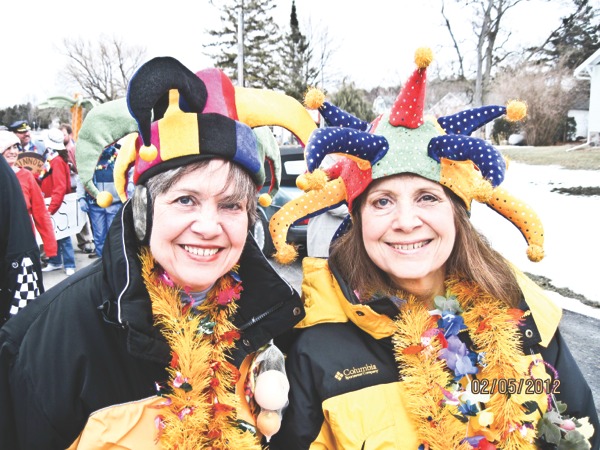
{"points": [[56, 183], [34, 199]]}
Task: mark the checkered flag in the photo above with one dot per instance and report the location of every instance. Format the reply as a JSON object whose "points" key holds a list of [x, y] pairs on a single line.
{"points": [[27, 287]]}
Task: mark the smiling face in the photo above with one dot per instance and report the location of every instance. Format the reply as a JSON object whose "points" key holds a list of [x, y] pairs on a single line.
{"points": [[408, 231], [11, 154], [24, 136], [199, 226]]}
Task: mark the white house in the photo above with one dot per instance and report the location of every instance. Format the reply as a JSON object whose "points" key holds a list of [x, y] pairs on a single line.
{"points": [[590, 70]]}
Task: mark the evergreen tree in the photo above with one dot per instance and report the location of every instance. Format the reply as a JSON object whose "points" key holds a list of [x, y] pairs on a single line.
{"points": [[296, 55], [577, 37], [353, 100], [261, 41]]}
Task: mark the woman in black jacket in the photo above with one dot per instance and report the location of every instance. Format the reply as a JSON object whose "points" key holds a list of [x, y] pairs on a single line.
{"points": [[159, 343]]}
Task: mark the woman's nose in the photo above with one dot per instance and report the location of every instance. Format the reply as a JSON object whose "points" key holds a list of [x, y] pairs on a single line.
{"points": [[207, 224], [406, 218]]}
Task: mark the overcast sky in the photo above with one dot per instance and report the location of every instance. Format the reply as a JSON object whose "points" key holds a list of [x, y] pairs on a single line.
{"points": [[373, 40]]}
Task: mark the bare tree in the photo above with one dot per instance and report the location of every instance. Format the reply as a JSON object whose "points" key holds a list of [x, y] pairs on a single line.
{"points": [[487, 19], [101, 68], [549, 95], [324, 48]]}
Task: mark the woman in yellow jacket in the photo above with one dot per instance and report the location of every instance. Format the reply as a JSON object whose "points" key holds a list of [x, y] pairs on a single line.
{"points": [[418, 334]]}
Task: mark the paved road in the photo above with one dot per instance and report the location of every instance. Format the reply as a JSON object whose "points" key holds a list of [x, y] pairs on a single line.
{"points": [[580, 331]]}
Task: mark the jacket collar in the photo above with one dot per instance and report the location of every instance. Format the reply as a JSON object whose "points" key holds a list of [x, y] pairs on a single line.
{"points": [[268, 305], [328, 298]]}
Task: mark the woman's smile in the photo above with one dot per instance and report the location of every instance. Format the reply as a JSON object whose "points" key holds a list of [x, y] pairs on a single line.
{"points": [[200, 251], [410, 247]]}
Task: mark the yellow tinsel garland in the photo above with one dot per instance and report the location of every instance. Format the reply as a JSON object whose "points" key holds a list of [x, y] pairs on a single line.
{"points": [[495, 335], [200, 404]]}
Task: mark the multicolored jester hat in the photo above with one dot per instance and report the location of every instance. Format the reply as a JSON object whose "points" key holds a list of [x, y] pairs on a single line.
{"points": [[173, 116], [404, 141]]}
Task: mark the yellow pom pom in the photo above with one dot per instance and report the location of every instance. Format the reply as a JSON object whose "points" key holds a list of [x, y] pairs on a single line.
{"points": [[482, 190], [423, 57], [535, 253], [265, 200], [311, 181], [148, 153], [104, 199], [314, 98], [287, 254], [516, 110]]}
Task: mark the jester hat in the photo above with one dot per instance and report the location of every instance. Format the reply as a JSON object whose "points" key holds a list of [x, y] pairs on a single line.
{"points": [[172, 117], [404, 141]]}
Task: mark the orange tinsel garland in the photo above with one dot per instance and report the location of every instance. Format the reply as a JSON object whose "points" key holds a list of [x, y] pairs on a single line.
{"points": [[200, 404], [432, 392]]}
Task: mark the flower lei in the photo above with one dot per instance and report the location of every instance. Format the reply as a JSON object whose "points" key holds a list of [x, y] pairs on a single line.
{"points": [[469, 336], [200, 404], [109, 155]]}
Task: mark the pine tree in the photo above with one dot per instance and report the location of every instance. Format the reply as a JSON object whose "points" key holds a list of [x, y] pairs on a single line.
{"points": [[353, 101], [577, 37], [296, 55], [261, 43]]}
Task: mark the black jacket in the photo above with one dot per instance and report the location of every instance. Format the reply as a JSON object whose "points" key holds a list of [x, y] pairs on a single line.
{"points": [[20, 266], [89, 342]]}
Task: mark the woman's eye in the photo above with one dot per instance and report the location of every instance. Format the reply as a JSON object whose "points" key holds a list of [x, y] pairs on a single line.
{"points": [[185, 200], [430, 198], [382, 202], [234, 206]]}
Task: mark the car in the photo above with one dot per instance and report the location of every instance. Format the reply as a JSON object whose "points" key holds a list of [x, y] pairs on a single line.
{"points": [[292, 165]]}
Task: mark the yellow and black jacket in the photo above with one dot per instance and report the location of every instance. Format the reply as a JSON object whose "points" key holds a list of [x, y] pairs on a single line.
{"points": [[345, 387]]}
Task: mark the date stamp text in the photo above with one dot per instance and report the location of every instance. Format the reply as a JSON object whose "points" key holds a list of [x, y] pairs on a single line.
{"points": [[514, 386]]}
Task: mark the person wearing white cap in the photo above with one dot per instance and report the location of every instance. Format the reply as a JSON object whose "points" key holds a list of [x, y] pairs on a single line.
{"points": [[34, 199], [56, 183]]}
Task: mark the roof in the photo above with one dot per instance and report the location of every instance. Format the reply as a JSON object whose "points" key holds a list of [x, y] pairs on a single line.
{"points": [[583, 71]]}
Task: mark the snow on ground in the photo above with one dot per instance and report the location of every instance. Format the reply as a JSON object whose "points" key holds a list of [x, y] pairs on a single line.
{"points": [[571, 230]]}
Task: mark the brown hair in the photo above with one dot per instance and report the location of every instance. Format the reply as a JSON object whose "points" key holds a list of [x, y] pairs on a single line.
{"points": [[472, 258], [67, 128]]}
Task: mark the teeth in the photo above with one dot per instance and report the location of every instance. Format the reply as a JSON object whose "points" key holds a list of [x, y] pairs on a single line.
{"points": [[410, 246], [200, 251]]}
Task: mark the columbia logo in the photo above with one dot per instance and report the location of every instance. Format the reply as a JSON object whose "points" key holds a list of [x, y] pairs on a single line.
{"points": [[367, 369]]}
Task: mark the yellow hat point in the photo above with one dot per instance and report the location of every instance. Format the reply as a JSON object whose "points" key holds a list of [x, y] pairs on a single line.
{"points": [[265, 200], [287, 254], [516, 110], [314, 98], [482, 190], [148, 153], [302, 182], [535, 253], [311, 181], [104, 199], [423, 57]]}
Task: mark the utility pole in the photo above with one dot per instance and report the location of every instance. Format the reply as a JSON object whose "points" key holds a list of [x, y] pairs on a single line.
{"points": [[240, 58]]}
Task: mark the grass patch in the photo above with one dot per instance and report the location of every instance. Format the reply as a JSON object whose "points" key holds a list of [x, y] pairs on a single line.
{"points": [[587, 158]]}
